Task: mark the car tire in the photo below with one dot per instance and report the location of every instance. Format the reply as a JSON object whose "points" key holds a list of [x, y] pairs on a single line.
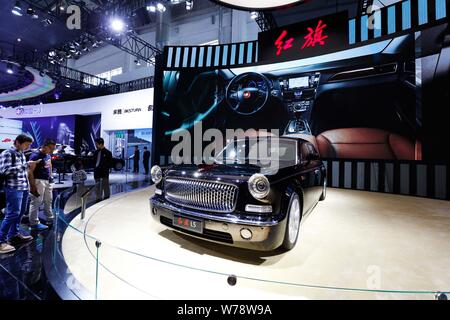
{"points": [[118, 166], [324, 191], [293, 218]]}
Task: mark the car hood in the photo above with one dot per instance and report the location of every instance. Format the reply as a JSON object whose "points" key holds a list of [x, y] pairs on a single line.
{"points": [[228, 173]]}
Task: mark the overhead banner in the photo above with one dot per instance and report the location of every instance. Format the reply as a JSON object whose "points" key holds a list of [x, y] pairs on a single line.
{"points": [[258, 4], [305, 39]]}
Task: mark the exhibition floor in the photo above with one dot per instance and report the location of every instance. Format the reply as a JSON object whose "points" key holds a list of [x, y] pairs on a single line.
{"points": [[22, 275], [355, 245]]}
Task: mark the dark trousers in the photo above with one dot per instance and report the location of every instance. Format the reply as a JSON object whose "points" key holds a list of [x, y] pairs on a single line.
{"points": [[146, 166], [136, 166], [102, 188], [16, 206]]}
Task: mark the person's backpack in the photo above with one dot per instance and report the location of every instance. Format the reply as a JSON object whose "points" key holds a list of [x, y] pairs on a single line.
{"points": [[3, 177]]}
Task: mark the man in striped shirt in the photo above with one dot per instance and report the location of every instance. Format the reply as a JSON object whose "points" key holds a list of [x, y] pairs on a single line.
{"points": [[14, 169]]}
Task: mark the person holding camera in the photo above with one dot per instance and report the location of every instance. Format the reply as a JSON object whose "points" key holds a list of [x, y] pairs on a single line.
{"points": [[14, 172]]}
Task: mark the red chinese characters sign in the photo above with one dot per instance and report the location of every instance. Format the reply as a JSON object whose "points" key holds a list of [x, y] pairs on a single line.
{"points": [[315, 36], [305, 39]]}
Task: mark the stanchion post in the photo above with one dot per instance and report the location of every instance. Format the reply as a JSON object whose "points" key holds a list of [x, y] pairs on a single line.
{"points": [[97, 244]]}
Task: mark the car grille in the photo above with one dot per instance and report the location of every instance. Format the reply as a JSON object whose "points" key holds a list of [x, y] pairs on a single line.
{"points": [[203, 195]]}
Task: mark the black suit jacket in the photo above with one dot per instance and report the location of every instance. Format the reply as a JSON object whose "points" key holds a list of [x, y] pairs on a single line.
{"points": [[146, 156], [102, 170]]}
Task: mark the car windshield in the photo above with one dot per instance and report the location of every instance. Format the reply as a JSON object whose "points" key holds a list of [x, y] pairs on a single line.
{"points": [[260, 152]]}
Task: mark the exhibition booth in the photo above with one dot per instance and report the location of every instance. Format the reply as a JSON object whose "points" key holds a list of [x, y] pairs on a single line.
{"points": [[123, 120], [352, 202], [369, 100]]}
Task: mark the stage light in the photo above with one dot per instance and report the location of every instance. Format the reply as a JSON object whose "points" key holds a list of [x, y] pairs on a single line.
{"points": [[31, 12], [52, 53], [253, 15], [9, 68], [161, 8], [117, 25], [138, 63], [47, 22], [17, 9], [151, 8], [189, 5], [67, 85], [19, 40]]}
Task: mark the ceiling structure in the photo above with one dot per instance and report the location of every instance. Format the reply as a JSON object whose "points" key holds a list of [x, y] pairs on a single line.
{"points": [[31, 37]]}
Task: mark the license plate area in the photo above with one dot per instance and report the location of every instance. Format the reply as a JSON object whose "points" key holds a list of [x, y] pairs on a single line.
{"points": [[194, 225]]}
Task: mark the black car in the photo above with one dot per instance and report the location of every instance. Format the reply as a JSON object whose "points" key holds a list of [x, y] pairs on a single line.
{"points": [[241, 200], [63, 162]]}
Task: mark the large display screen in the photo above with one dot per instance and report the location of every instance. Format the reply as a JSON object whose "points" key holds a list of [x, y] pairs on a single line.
{"points": [[369, 102]]}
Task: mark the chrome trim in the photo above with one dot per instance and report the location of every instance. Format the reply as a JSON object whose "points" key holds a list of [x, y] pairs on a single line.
{"points": [[349, 72], [235, 220], [258, 209], [158, 192], [218, 197]]}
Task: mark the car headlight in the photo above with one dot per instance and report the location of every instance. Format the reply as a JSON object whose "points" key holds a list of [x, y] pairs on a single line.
{"points": [[156, 174], [259, 186]]}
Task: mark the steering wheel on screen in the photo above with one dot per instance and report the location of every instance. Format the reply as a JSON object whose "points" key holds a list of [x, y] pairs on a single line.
{"points": [[244, 99]]}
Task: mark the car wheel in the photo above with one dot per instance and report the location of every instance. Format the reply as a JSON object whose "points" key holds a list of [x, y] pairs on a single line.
{"points": [[118, 166], [294, 216], [324, 191]]}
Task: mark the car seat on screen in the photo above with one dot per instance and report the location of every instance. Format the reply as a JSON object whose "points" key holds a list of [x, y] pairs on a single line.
{"points": [[365, 143], [187, 94]]}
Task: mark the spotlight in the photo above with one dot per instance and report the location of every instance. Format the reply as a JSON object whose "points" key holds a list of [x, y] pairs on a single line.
{"points": [[31, 12], [189, 5], [161, 8], [19, 40], [138, 63], [151, 8], [52, 53], [9, 68], [117, 25], [17, 9], [253, 15], [67, 85], [47, 22]]}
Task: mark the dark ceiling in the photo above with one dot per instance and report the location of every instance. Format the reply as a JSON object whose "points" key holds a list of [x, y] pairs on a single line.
{"points": [[311, 9], [34, 36], [38, 39]]}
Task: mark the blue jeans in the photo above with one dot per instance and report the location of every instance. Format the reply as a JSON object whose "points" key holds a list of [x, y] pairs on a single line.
{"points": [[16, 206]]}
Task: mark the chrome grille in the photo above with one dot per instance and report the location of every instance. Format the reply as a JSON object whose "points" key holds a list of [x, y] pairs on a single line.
{"points": [[203, 195]]}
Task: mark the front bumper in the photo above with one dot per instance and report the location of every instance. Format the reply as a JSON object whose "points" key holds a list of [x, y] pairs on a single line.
{"points": [[266, 236]]}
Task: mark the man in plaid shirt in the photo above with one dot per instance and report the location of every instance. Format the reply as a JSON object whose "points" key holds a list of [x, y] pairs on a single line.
{"points": [[14, 169]]}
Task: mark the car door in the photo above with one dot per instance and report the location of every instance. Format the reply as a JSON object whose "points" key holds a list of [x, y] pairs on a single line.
{"points": [[308, 178], [319, 172]]}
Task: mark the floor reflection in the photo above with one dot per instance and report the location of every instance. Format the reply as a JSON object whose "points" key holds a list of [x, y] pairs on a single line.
{"points": [[22, 275]]}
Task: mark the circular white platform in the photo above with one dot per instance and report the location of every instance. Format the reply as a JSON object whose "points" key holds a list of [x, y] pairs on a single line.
{"points": [[354, 239]]}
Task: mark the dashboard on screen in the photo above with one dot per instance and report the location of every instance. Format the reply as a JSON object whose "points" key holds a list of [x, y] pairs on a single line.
{"points": [[301, 82]]}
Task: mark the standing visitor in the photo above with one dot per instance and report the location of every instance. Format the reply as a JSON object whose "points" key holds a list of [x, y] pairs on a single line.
{"points": [[103, 160], [136, 158], [14, 173], [146, 160], [41, 189]]}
